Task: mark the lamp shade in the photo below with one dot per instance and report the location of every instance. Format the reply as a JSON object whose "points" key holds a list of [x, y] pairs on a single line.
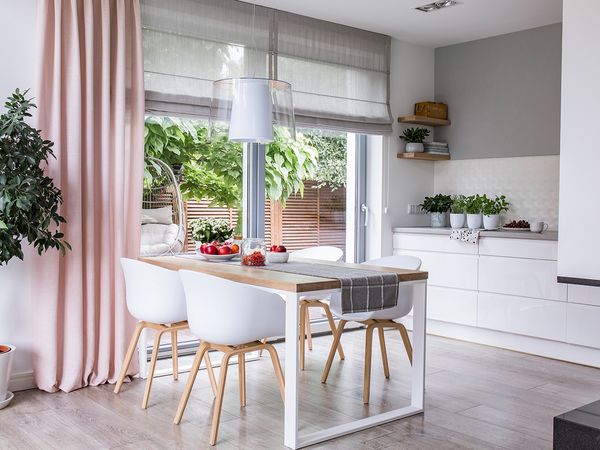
{"points": [[247, 109]]}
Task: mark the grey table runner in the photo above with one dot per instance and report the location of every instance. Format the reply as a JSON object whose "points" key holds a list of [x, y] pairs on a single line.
{"points": [[363, 290]]}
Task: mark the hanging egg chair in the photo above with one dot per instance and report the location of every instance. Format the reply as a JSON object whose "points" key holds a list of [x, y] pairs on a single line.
{"points": [[163, 218]]}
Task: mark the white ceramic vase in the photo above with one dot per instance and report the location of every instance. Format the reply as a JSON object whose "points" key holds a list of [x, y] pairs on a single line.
{"points": [[491, 222], [413, 147], [474, 221], [6, 360], [457, 220], [438, 219]]}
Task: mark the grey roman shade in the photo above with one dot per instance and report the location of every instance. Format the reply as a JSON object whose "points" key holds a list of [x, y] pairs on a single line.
{"points": [[339, 74]]}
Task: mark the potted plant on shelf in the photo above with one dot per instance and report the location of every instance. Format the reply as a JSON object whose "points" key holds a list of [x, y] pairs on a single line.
{"points": [[491, 209], [473, 205], [29, 201], [437, 206], [414, 138], [457, 211], [210, 230]]}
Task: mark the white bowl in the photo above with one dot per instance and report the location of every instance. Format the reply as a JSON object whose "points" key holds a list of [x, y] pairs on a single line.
{"points": [[218, 257], [277, 257]]}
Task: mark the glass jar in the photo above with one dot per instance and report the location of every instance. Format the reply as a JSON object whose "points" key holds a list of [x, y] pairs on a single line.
{"points": [[253, 252]]}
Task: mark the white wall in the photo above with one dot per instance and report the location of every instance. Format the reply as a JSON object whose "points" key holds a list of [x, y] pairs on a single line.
{"points": [[579, 215], [411, 81], [18, 55]]}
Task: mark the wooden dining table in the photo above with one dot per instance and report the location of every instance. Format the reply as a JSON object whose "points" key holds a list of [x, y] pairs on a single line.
{"points": [[293, 287]]}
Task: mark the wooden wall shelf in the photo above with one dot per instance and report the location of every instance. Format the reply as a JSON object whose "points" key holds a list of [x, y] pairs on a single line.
{"points": [[423, 156], [422, 120]]}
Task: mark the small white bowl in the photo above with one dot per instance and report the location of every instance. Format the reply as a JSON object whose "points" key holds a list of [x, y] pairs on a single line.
{"points": [[277, 257]]}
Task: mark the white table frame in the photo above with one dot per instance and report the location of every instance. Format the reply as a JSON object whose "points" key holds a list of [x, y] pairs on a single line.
{"points": [[292, 437]]}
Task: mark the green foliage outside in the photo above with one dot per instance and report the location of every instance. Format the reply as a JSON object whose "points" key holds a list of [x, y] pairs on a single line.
{"points": [[213, 170]]}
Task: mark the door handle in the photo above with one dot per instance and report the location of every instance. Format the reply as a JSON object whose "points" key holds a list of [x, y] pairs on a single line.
{"points": [[364, 208]]}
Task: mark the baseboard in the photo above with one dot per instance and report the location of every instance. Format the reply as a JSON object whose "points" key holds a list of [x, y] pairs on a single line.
{"points": [[21, 381]]}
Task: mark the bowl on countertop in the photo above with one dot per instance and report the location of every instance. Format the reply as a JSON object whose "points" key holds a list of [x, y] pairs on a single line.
{"points": [[277, 257]]}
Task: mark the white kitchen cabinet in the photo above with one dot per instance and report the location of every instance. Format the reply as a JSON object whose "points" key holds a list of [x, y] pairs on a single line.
{"points": [[587, 295], [447, 269], [519, 248], [522, 277], [452, 305], [583, 325], [521, 315], [432, 243]]}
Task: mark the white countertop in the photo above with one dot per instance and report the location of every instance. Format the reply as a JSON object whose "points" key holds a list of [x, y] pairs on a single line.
{"points": [[545, 236]]}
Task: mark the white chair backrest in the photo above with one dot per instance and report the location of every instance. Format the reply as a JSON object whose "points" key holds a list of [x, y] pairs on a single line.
{"points": [[324, 253], [153, 294], [400, 261], [229, 313]]}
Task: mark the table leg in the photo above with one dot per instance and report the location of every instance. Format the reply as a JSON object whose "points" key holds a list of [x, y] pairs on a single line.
{"points": [[419, 334], [292, 368]]}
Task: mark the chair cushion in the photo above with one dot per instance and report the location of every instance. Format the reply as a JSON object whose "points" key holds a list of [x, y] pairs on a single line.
{"points": [[158, 215], [158, 239]]}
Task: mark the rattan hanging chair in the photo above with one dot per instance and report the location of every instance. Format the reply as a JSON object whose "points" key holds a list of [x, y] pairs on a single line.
{"points": [[163, 217]]}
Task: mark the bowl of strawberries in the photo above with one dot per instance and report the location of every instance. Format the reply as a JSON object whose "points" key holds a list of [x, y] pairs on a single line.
{"points": [[219, 251], [277, 254]]}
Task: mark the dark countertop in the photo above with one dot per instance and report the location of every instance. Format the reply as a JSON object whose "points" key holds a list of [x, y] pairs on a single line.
{"points": [[545, 236]]}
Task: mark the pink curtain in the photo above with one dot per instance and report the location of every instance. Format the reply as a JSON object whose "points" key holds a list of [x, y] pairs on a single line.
{"points": [[91, 104]]}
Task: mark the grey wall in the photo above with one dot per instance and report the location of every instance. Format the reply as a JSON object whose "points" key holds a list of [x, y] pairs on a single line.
{"points": [[503, 94]]}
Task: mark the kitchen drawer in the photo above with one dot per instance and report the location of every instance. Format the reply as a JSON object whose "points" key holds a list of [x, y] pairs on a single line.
{"points": [[588, 295], [524, 277], [520, 315], [432, 243], [452, 305], [518, 248], [583, 325], [447, 269]]}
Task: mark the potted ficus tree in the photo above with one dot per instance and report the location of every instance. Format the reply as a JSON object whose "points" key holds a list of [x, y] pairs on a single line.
{"points": [[473, 206], [491, 209], [414, 138], [437, 206], [457, 211], [29, 201]]}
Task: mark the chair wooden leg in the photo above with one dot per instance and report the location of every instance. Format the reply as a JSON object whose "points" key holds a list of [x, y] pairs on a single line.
{"points": [[211, 372], [130, 351], [302, 334], [384, 358], [202, 351], [406, 341], [219, 400], [260, 352], [332, 327], [242, 378], [277, 369], [174, 355], [368, 352], [336, 341], [308, 330], [151, 368]]}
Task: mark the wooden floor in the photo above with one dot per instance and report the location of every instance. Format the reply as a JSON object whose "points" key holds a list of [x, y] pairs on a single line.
{"points": [[477, 397]]}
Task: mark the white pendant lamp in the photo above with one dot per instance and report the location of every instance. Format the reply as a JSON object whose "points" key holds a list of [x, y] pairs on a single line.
{"points": [[246, 109]]}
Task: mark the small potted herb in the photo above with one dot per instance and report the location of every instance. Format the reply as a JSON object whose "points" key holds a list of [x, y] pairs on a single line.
{"points": [[491, 209], [457, 211], [438, 207], [414, 138], [473, 207], [211, 229]]}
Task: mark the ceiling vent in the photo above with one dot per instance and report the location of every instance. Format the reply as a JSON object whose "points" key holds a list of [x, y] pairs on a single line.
{"points": [[436, 5]]}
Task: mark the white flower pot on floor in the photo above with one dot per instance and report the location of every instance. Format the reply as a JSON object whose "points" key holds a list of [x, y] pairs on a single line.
{"points": [[457, 220], [474, 221], [6, 359], [491, 222]]}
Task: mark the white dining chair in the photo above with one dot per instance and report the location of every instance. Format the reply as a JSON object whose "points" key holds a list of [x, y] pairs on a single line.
{"points": [[230, 317], [156, 299], [322, 253], [380, 319]]}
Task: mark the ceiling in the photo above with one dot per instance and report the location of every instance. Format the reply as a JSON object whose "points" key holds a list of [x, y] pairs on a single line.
{"points": [[467, 21]]}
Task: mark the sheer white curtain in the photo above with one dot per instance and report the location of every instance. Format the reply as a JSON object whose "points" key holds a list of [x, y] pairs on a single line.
{"points": [[339, 74]]}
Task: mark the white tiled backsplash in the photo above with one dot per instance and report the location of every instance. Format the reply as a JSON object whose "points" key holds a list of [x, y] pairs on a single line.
{"points": [[530, 183]]}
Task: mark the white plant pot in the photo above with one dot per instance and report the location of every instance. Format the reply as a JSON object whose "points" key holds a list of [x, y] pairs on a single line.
{"points": [[474, 221], [457, 220], [6, 360], [438, 220], [413, 147], [491, 222]]}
